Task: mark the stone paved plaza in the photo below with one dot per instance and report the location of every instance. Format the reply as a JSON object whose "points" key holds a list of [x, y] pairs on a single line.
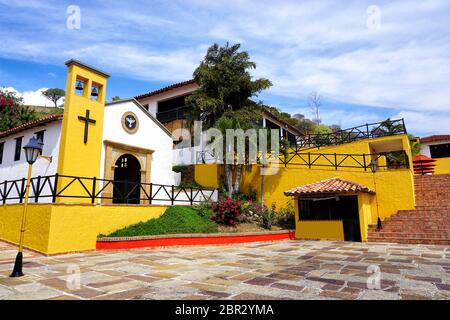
{"points": [[277, 270]]}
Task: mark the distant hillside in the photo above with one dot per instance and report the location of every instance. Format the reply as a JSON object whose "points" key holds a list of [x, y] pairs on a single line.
{"points": [[43, 112]]}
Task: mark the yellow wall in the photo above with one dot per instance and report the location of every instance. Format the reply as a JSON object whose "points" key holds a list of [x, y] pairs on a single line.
{"points": [[442, 166], [395, 188], [207, 175], [366, 146], [61, 228], [330, 230], [77, 158], [37, 228]]}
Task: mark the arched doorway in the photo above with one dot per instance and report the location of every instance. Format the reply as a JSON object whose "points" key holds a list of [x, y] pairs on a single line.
{"points": [[127, 176]]}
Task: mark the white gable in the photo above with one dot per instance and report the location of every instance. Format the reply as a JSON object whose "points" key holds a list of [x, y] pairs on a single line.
{"points": [[150, 134]]}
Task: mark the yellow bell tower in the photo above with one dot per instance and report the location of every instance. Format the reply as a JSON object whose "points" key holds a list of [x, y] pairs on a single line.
{"points": [[82, 126]]}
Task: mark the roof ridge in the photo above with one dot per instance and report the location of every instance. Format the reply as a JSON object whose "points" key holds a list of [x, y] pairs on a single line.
{"points": [[327, 186], [29, 124], [166, 88]]}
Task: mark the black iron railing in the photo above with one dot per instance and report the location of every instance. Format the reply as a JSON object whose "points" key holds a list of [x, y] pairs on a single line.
{"points": [[346, 160], [174, 114], [49, 189], [333, 160], [366, 131]]}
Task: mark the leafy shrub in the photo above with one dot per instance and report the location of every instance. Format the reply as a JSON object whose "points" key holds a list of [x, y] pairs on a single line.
{"points": [[286, 217], [180, 168], [268, 217], [249, 196], [227, 211], [204, 210], [189, 184], [251, 211]]}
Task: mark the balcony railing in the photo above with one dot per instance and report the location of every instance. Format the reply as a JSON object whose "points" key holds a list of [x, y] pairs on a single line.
{"points": [[367, 131], [385, 160], [173, 114]]}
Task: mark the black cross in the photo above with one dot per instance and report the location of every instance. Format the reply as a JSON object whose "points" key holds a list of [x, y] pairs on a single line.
{"points": [[86, 120]]}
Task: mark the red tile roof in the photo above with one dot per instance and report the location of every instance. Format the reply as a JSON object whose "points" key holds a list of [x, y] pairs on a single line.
{"points": [[329, 186], [162, 90], [30, 125], [435, 138]]}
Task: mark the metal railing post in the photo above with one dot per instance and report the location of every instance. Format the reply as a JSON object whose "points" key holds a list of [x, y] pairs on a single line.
{"points": [[36, 191], [173, 196], [22, 191], [55, 188], [94, 183], [150, 194], [5, 188]]}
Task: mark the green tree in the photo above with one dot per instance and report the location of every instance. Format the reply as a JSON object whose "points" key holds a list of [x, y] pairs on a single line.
{"points": [[12, 111], [54, 95], [415, 145], [225, 84], [388, 128], [116, 98], [323, 129]]}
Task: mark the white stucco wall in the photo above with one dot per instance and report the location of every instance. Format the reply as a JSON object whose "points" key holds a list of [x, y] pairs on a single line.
{"points": [[149, 136], [15, 170], [11, 170], [425, 147]]}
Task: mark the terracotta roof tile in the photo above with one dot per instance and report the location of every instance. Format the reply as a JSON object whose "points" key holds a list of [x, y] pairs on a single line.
{"points": [[31, 124], [162, 90], [329, 186], [435, 138]]}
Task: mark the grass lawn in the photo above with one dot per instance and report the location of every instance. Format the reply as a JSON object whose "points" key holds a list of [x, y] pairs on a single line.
{"points": [[176, 220]]}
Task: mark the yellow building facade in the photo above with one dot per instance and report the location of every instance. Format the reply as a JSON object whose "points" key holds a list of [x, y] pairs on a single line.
{"points": [[394, 187]]}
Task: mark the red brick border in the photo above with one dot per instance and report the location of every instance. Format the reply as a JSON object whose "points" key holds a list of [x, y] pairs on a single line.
{"points": [[191, 240]]}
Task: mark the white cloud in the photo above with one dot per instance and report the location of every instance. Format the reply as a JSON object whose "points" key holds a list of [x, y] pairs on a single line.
{"points": [[426, 123], [300, 45], [34, 98]]}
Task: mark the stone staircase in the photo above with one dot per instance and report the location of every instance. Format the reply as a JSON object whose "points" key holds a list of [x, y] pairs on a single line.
{"points": [[429, 223]]}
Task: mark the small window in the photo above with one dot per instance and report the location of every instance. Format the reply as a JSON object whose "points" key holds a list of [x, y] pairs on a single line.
{"points": [[440, 150], [40, 136], [2, 145], [18, 149]]}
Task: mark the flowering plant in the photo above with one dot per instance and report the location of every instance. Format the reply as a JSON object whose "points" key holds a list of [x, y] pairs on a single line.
{"points": [[227, 211]]}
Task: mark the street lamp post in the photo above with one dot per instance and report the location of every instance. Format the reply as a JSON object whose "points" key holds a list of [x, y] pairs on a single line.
{"points": [[32, 150], [373, 168]]}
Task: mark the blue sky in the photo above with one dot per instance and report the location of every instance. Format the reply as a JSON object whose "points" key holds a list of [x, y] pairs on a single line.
{"points": [[368, 63]]}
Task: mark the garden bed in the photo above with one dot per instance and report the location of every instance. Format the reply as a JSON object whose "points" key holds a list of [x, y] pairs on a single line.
{"points": [[115, 243], [198, 225]]}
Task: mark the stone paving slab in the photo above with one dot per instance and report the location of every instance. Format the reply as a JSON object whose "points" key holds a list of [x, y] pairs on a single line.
{"points": [[276, 270]]}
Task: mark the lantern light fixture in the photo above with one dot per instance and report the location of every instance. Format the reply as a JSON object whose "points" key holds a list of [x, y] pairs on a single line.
{"points": [[32, 149]]}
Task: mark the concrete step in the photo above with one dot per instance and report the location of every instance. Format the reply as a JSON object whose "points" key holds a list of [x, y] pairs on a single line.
{"points": [[410, 241]]}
